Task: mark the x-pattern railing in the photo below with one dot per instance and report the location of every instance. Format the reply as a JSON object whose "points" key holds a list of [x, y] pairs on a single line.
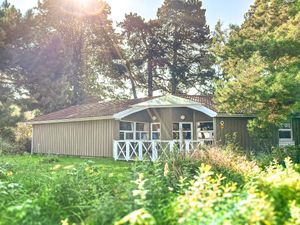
{"points": [[152, 150]]}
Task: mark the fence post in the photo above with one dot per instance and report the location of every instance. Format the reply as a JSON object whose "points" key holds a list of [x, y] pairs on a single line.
{"points": [[127, 157], [187, 146], [140, 150], [154, 151], [172, 143], [115, 150]]}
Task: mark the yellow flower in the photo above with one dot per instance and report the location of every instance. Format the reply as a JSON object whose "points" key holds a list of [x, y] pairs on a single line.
{"points": [[166, 170], [56, 167], [64, 222], [9, 173], [69, 167]]}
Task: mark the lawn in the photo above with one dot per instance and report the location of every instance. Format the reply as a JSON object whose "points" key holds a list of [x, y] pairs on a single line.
{"points": [[49, 189], [211, 186]]}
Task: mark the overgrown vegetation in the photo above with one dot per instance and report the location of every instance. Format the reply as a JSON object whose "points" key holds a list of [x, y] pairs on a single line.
{"points": [[209, 186]]}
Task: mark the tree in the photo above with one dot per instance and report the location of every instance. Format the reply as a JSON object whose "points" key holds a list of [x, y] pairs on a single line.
{"points": [[143, 47], [261, 64], [185, 38], [58, 61], [11, 30]]}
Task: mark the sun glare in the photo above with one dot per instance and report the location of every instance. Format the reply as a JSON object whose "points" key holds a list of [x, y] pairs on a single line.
{"points": [[119, 7]]}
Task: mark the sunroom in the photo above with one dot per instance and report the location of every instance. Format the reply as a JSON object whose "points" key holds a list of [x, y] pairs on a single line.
{"points": [[162, 126]]}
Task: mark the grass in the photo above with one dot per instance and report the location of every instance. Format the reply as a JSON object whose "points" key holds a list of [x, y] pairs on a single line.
{"points": [[212, 186], [56, 188]]}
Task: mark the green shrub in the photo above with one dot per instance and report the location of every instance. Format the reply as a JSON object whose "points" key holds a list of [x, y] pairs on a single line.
{"points": [[292, 152], [6, 147]]}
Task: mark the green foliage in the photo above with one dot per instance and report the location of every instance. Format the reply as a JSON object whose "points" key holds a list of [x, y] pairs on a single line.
{"points": [[6, 146], [53, 190], [185, 39], [260, 62]]}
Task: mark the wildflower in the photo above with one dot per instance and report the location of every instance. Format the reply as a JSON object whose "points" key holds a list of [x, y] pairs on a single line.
{"points": [[69, 167], [166, 170], [64, 222], [171, 189], [111, 175], [9, 173], [56, 167]]}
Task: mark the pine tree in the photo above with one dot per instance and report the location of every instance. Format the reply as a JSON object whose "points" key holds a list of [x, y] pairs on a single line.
{"points": [[186, 39]]}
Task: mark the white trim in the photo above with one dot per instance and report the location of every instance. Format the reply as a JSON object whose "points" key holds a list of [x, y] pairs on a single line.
{"points": [[70, 120], [126, 112], [204, 109]]}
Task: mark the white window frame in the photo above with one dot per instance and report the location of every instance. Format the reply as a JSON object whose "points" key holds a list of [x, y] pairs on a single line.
{"points": [[140, 132], [286, 129], [134, 131], [286, 141], [159, 132], [180, 131], [127, 131], [209, 131]]}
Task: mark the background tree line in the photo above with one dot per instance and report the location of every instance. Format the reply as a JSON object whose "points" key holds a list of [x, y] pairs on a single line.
{"points": [[62, 53]]}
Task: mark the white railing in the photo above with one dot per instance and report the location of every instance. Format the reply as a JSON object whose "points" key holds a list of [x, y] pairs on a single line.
{"points": [[153, 150]]}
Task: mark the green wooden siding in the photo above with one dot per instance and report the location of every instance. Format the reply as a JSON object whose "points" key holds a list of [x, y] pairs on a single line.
{"points": [[296, 130]]}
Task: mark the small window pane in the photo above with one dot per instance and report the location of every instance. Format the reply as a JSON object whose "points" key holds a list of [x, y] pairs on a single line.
{"points": [[206, 126], [176, 126], [126, 126], [140, 126], [175, 135], [187, 135], [285, 134], [156, 127], [122, 136], [129, 136], [138, 136], [155, 136], [186, 127], [144, 136]]}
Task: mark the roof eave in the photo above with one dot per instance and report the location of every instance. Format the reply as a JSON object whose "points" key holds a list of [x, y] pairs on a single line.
{"points": [[70, 120]]}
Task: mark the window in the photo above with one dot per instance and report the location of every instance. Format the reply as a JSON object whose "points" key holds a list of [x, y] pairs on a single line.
{"points": [[176, 131], [126, 131], [141, 133], [155, 131], [133, 131], [182, 130], [205, 130], [285, 132]]}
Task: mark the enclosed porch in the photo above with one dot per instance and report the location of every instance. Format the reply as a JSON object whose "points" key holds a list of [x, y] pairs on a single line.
{"points": [[154, 132]]}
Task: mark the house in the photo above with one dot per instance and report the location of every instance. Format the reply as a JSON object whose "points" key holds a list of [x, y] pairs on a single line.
{"points": [[144, 128]]}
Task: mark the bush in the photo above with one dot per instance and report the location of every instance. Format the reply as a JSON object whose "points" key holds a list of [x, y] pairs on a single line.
{"points": [[227, 162], [292, 152], [6, 147]]}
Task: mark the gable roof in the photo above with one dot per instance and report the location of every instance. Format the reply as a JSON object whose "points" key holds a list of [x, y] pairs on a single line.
{"points": [[113, 109]]}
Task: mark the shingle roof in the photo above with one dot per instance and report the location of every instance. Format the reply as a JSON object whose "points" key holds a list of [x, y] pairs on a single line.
{"points": [[103, 109]]}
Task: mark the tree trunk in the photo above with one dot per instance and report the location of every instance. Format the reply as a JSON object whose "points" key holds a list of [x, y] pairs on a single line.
{"points": [[174, 73], [131, 78], [133, 88], [150, 78]]}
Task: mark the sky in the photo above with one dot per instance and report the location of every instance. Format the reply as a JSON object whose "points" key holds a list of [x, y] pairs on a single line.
{"points": [[228, 11]]}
